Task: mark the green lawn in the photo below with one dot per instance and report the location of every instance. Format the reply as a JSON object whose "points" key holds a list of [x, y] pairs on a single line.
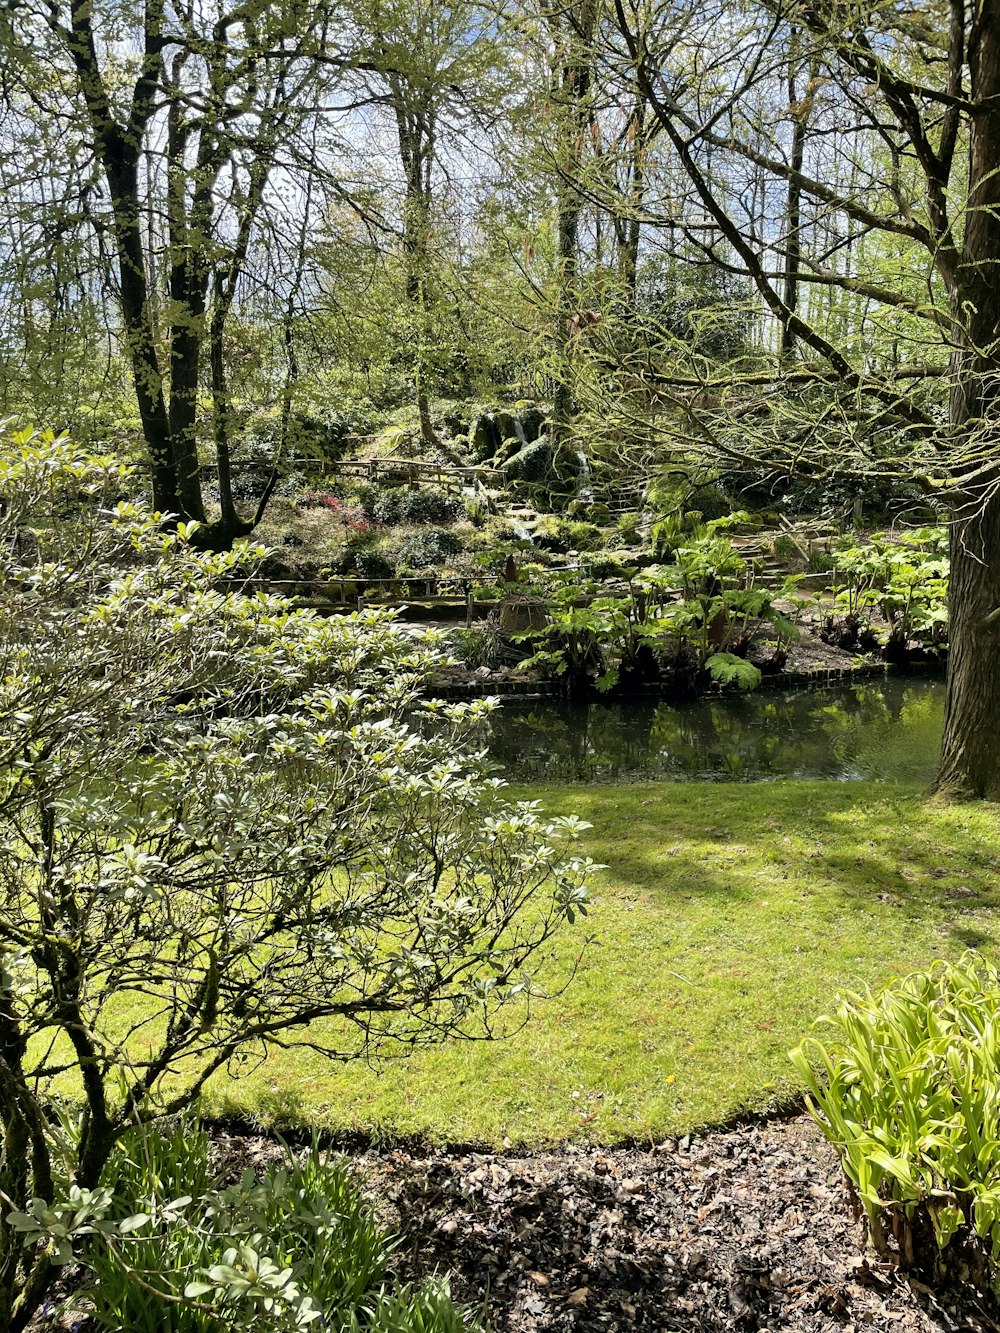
{"points": [[727, 918]]}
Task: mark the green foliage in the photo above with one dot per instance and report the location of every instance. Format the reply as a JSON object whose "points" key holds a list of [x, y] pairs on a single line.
{"points": [[295, 1247], [674, 531], [628, 529], [428, 1308], [427, 550], [607, 565], [553, 533], [697, 616], [174, 758], [785, 547], [700, 307], [477, 511], [728, 669], [904, 582], [907, 1089], [820, 561], [374, 564], [476, 646], [413, 505]]}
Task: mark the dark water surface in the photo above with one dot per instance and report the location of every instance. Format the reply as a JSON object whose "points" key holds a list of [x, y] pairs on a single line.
{"points": [[879, 730]]}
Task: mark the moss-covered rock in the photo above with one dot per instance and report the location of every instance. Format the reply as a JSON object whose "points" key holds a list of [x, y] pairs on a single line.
{"points": [[484, 437]]}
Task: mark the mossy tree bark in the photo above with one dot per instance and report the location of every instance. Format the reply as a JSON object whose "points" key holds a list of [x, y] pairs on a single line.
{"points": [[970, 759]]}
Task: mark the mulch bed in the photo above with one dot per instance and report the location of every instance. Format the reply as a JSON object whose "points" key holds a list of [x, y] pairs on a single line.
{"points": [[748, 1229], [742, 1229]]}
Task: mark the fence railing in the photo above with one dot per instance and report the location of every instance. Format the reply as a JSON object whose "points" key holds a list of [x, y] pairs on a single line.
{"points": [[375, 469], [354, 590]]}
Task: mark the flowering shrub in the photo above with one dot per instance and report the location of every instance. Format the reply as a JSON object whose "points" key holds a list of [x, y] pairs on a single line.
{"points": [[353, 516]]}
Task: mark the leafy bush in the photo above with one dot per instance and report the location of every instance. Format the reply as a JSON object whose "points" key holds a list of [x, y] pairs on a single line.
{"points": [[426, 550], [786, 547], [905, 584], [176, 755], [477, 646], [308, 435], [628, 528], [422, 505], [907, 1088], [609, 564], [697, 617], [385, 505], [502, 530], [820, 561], [374, 564], [415, 505], [294, 1247], [562, 534], [477, 511]]}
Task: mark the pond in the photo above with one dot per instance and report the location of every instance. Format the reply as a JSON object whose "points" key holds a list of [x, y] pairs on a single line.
{"points": [[885, 730]]}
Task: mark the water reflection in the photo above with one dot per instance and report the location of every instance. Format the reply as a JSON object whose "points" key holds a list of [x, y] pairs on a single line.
{"points": [[878, 730]]}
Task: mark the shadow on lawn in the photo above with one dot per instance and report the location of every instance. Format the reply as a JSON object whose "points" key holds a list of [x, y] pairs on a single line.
{"points": [[880, 853]]}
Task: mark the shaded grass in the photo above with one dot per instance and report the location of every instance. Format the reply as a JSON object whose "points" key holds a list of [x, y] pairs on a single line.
{"points": [[727, 918]]}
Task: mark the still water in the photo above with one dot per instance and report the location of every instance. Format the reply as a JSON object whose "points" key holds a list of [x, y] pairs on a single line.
{"points": [[883, 730]]}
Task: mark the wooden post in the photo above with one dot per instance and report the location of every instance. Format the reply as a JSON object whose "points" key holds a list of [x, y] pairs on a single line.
{"points": [[469, 604]]}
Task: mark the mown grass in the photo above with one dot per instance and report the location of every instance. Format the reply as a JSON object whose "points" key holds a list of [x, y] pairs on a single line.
{"points": [[726, 920]]}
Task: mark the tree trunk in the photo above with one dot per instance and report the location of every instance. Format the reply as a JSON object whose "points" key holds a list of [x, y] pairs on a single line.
{"points": [[632, 230], [416, 131], [574, 82], [221, 412], [188, 290], [793, 216], [122, 178], [562, 396], [970, 758]]}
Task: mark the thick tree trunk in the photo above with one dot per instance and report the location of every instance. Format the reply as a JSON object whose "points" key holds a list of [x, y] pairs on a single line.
{"points": [[220, 417], [970, 758], [185, 364], [188, 291]]}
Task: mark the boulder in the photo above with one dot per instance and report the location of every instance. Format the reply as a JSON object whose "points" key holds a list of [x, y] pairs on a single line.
{"points": [[484, 437], [532, 423], [533, 463], [508, 427], [536, 463]]}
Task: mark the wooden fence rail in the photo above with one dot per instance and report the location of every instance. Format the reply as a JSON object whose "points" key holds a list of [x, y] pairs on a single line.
{"points": [[347, 590], [375, 469]]}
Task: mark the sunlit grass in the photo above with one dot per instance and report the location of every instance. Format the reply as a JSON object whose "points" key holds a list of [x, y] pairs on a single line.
{"points": [[727, 918]]}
